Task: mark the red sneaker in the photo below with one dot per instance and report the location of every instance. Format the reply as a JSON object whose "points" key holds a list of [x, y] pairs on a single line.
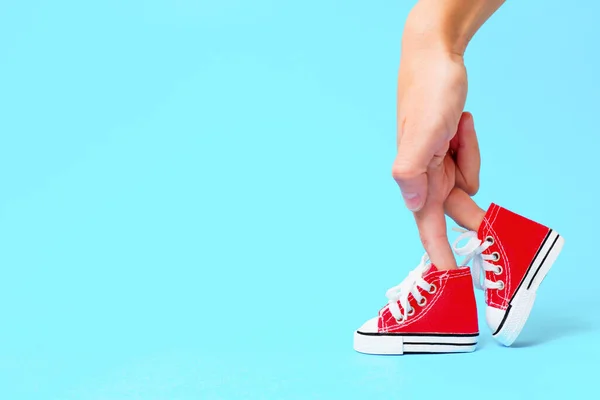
{"points": [[514, 254], [431, 311]]}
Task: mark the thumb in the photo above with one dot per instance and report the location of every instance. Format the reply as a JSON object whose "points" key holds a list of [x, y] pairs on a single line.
{"points": [[412, 180]]}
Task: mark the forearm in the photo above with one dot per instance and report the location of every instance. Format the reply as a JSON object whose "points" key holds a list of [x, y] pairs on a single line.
{"points": [[446, 25]]}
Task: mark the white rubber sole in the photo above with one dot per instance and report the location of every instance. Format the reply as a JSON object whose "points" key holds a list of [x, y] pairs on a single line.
{"points": [[520, 306], [397, 344]]}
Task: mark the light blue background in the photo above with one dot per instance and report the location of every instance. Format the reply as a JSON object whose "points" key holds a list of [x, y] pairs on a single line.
{"points": [[197, 202]]}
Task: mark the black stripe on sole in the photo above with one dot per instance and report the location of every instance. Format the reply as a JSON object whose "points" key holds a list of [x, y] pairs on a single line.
{"points": [[542, 263], [432, 352], [440, 344], [537, 253], [527, 273]]}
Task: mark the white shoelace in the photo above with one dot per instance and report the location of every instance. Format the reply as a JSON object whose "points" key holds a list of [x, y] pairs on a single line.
{"points": [[481, 262], [410, 284]]}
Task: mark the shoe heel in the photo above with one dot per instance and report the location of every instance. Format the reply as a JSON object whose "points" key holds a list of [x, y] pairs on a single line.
{"points": [[522, 303], [547, 262]]}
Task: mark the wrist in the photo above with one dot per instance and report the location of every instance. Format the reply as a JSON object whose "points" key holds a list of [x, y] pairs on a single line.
{"points": [[425, 31], [444, 25]]}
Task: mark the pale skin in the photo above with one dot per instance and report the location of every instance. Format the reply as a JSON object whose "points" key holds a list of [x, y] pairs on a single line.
{"points": [[437, 163]]}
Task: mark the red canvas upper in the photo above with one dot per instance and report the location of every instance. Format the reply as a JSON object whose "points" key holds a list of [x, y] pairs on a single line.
{"points": [[517, 240], [451, 309]]}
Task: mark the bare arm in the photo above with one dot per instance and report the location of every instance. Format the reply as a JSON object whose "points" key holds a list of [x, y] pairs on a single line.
{"points": [[432, 90]]}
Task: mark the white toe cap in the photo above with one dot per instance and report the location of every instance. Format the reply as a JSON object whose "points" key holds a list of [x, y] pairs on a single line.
{"points": [[370, 326], [494, 317]]}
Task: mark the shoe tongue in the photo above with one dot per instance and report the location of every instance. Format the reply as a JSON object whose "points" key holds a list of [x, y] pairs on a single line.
{"points": [[431, 269], [487, 217]]}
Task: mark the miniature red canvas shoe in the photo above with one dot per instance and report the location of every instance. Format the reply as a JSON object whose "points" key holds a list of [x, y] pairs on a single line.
{"points": [[431, 311], [513, 254]]}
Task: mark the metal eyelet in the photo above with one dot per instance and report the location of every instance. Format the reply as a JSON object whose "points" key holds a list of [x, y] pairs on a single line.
{"points": [[411, 312], [432, 289], [498, 271], [501, 285], [422, 302], [489, 239], [496, 256], [399, 321]]}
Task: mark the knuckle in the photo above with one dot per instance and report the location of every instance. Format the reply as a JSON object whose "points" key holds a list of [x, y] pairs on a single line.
{"points": [[404, 172], [472, 188], [472, 191]]}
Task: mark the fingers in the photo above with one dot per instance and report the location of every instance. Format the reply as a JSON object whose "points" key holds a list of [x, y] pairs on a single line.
{"points": [[431, 223], [417, 151], [466, 153], [432, 230], [463, 210]]}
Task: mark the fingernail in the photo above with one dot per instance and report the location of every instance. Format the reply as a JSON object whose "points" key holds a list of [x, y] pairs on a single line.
{"points": [[412, 200]]}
